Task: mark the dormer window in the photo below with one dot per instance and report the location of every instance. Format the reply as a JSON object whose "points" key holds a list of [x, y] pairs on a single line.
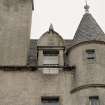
{"points": [[50, 52], [50, 57]]}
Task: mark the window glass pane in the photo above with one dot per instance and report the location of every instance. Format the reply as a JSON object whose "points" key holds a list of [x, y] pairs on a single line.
{"points": [[94, 100], [50, 104], [50, 60]]}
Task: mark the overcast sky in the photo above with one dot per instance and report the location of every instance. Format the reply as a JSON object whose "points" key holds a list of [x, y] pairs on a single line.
{"points": [[65, 15]]}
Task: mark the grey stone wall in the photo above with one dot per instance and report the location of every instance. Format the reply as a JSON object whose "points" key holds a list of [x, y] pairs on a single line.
{"points": [[89, 78], [88, 73], [27, 87], [15, 26]]}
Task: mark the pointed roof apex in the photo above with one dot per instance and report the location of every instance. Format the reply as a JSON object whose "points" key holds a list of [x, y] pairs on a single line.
{"points": [[88, 29], [86, 7], [51, 28]]}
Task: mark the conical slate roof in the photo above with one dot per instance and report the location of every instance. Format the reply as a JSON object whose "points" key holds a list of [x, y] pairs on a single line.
{"points": [[88, 29]]}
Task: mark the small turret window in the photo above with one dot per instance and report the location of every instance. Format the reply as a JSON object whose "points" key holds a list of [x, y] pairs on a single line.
{"points": [[94, 100], [91, 55]]}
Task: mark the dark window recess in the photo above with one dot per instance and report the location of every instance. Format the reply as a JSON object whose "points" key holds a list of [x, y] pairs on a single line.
{"points": [[50, 52], [90, 51], [50, 100], [94, 100], [90, 58]]}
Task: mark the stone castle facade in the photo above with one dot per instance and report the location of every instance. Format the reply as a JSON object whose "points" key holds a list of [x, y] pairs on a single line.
{"points": [[50, 70]]}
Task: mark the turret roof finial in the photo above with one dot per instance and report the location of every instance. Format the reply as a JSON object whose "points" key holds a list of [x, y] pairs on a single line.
{"points": [[86, 7], [51, 28]]}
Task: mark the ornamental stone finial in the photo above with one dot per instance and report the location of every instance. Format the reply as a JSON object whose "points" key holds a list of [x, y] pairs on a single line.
{"points": [[51, 28], [86, 7]]}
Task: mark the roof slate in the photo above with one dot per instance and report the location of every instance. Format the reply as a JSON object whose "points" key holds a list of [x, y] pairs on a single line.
{"points": [[88, 29]]}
